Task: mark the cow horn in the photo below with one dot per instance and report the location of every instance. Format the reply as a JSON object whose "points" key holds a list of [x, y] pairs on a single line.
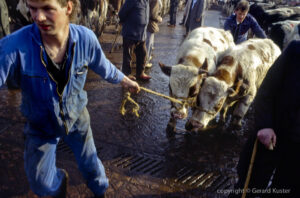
{"points": [[234, 92], [166, 69]]}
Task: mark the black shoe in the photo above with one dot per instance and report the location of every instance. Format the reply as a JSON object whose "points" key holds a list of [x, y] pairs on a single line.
{"points": [[62, 192]]}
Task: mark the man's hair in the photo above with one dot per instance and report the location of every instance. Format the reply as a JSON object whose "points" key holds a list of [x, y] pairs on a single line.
{"points": [[75, 11], [242, 5]]}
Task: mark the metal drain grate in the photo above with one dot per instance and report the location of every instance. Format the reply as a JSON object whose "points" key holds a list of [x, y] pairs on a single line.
{"points": [[221, 182], [184, 178], [139, 164], [211, 181], [195, 178]]}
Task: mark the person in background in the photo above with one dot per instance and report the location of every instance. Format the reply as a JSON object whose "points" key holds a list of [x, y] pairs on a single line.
{"points": [[155, 18], [49, 60], [241, 21], [134, 17], [277, 130], [194, 11], [173, 12], [184, 13]]}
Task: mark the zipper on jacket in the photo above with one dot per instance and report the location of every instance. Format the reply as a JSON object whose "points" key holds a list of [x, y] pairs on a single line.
{"points": [[60, 95]]}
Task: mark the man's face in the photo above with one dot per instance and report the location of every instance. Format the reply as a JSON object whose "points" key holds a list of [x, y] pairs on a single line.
{"points": [[240, 15], [49, 15]]}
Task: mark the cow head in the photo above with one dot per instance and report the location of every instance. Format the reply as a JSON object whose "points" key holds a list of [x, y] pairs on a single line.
{"points": [[211, 99], [184, 85]]}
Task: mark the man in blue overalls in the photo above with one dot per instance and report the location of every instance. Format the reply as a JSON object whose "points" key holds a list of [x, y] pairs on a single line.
{"points": [[49, 60]]}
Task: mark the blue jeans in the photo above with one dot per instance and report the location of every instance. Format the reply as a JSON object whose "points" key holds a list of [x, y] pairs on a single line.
{"points": [[40, 157]]}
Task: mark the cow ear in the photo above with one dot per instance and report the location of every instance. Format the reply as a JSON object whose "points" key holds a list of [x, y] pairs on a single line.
{"points": [[166, 69]]}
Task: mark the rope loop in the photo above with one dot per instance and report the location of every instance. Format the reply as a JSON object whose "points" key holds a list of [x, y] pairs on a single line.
{"points": [[187, 102]]}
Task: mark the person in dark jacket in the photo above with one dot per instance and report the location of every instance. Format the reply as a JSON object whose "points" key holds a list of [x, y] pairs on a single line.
{"points": [[134, 17], [277, 129], [155, 18], [49, 61], [194, 11], [241, 21], [173, 12]]}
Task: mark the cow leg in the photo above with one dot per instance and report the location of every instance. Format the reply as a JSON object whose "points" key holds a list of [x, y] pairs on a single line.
{"points": [[241, 110], [223, 113], [171, 126]]}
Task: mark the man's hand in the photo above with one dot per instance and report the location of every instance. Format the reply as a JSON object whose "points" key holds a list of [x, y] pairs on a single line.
{"points": [[198, 19], [132, 86], [267, 137]]}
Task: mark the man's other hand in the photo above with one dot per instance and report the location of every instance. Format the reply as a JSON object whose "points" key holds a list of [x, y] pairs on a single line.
{"points": [[267, 137]]}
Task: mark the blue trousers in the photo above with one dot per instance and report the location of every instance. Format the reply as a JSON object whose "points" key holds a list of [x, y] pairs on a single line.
{"points": [[40, 159]]}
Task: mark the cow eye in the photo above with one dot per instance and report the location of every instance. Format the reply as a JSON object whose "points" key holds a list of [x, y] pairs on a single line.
{"points": [[219, 105]]}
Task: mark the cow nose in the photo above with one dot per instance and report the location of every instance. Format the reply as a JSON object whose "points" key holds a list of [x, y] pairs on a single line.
{"points": [[177, 115], [196, 124]]}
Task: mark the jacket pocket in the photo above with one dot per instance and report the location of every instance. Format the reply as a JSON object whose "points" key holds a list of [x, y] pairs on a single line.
{"points": [[78, 80]]}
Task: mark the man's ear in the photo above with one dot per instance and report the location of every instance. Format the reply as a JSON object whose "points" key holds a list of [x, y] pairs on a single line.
{"points": [[69, 8]]}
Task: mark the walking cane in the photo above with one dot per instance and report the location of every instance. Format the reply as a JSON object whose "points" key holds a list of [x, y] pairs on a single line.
{"points": [[250, 169], [117, 35]]}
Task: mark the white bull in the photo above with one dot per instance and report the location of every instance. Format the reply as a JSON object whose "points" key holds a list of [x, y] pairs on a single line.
{"points": [[199, 52], [240, 73]]}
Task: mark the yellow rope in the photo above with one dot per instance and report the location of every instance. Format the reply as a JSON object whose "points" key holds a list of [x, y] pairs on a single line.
{"points": [[135, 109], [161, 95], [127, 97]]}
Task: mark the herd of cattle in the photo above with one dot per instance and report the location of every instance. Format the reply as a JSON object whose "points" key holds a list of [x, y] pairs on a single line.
{"points": [[216, 74]]}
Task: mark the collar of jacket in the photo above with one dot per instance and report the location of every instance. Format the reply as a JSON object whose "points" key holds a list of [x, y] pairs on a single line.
{"points": [[73, 36]]}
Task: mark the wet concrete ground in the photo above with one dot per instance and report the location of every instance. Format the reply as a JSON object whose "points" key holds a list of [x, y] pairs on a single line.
{"points": [[140, 159]]}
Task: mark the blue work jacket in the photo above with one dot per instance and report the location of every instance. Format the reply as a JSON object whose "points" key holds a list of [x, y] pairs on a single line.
{"points": [[23, 60], [134, 17], [249, 22]]}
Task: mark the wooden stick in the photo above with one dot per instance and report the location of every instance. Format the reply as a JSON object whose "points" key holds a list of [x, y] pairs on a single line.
{"points": [[250, 169]]}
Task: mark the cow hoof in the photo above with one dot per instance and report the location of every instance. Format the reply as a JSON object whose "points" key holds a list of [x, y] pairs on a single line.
{"points": [[188, 126], [170, 130]]}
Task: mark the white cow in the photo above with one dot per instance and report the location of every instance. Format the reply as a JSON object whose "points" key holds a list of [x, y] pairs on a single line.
{"points": [[240, 73], [199, 52]]}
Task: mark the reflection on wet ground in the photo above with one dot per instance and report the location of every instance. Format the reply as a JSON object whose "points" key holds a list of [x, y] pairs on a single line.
{"points": [[141, 160]]}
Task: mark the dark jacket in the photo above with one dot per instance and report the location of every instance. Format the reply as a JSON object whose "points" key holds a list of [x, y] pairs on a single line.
{"points": [[277, 103], [197, 12], [155, 18], [249, 22], [134, 17]]}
